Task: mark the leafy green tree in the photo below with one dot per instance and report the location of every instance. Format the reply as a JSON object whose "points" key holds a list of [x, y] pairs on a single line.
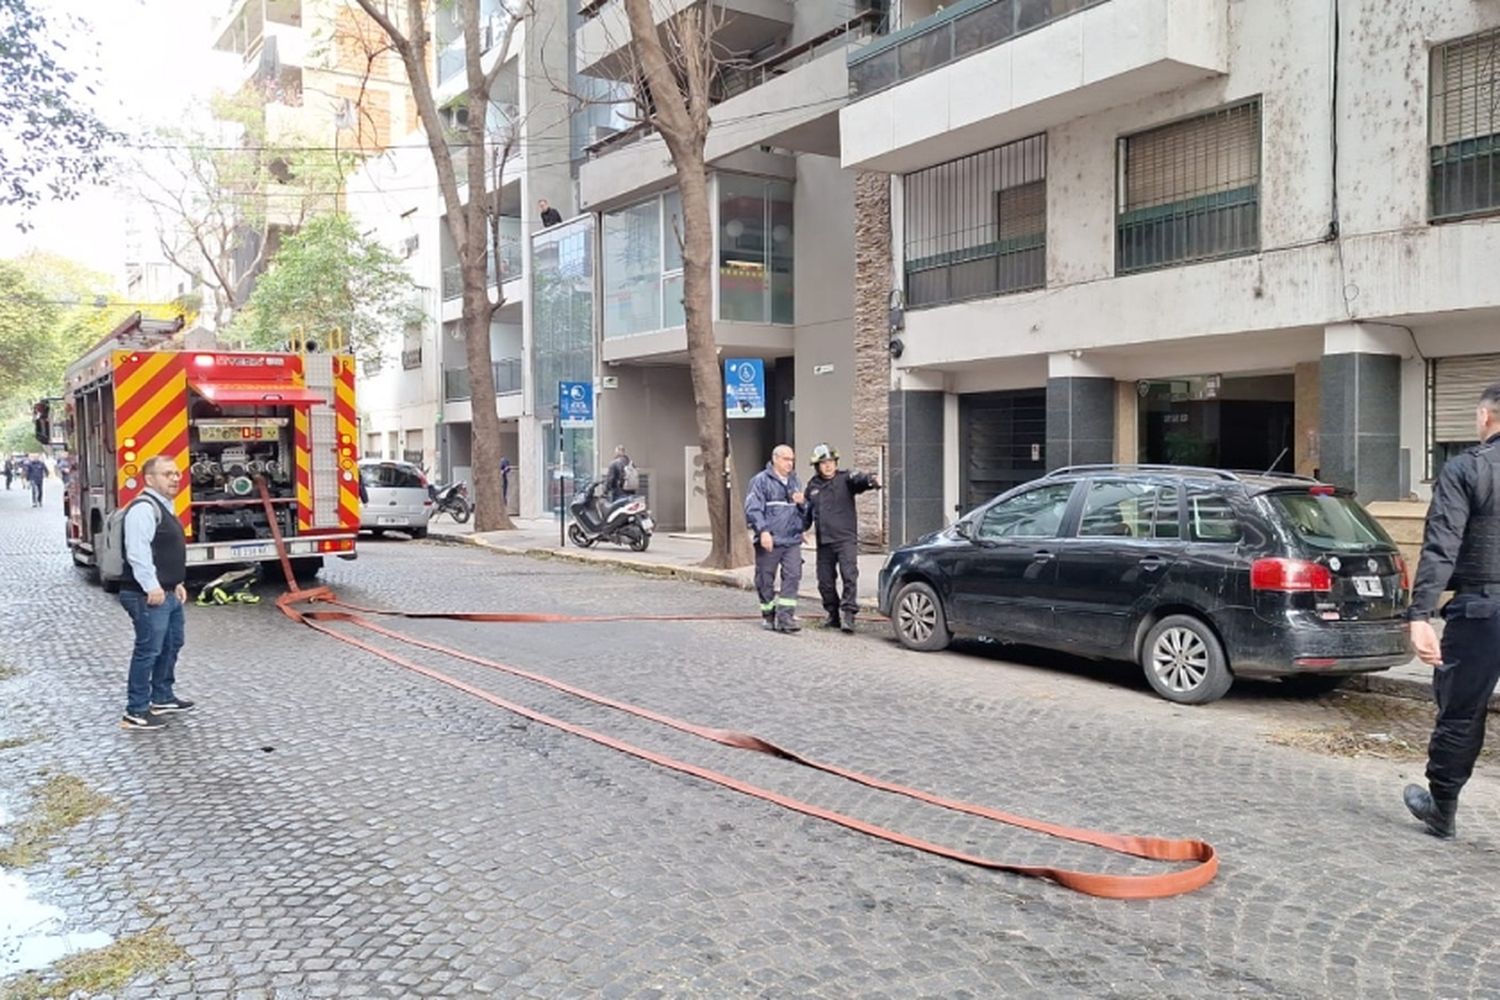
{"points": [[27, 318], [329, 283], [54, 143]]}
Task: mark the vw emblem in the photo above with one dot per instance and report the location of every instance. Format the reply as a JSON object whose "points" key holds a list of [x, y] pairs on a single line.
{"points": [[1373, 565], [1334, 564]]}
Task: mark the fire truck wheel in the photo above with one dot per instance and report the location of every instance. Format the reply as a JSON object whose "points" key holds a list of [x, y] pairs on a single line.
{"points": [[305, 569]]}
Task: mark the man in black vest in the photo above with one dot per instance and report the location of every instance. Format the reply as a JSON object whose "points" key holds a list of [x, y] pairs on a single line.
{"points": [[1460, 551], [152, 593], [830, 506]]}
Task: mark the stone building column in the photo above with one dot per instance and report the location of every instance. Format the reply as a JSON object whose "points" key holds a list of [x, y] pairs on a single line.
{"points": [[914, 485], [1359, 386], [872, 358], [1080, 412]]}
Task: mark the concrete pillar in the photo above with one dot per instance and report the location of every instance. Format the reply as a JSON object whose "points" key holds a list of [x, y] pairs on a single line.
{"points": [[1080, 413], [914, 490], [1359, 386]]}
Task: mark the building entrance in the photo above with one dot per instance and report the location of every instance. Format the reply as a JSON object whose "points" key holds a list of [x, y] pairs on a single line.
{"points": [[1002, 441], [1219, 422]]}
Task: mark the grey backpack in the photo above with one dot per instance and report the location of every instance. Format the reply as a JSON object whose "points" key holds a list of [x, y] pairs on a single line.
{"points": [[110, 554]]}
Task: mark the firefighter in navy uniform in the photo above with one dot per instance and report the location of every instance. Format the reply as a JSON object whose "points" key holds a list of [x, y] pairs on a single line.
{"points": [[1460, 551], [830, 508]]}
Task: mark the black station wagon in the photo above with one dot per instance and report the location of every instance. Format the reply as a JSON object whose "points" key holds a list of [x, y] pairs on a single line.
{"points": [[1198, 575]]}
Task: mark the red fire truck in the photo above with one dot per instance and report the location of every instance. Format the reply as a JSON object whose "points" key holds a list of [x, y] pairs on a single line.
{"points": [[226, 418]]}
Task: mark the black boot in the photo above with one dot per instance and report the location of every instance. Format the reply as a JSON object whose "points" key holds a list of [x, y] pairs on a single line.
{"points": [[1439, 816], [786, 621], [847, 621], [768, 620], [832, 621]]}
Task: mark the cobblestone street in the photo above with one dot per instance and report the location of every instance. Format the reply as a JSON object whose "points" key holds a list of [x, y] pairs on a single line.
{"points": [[328, 824]]}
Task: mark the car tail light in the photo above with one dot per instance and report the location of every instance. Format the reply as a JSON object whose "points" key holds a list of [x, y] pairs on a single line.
{"points": [[422, 480], [1289, 575], [1405, 577], [1321, 490]]}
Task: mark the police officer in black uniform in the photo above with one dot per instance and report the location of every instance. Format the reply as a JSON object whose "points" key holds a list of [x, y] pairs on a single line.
{"points": [[830, 509], [1461, 551]]}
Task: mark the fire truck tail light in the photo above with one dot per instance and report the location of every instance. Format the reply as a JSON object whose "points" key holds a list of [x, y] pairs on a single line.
{"points": [[130, 456], [130, 442], [336, 545], [130, 470], [130, 483], [203, 360]]}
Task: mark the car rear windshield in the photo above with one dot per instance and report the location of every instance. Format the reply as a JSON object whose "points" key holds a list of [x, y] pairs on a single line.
{"points": [[390, 476], [1329, 522]]}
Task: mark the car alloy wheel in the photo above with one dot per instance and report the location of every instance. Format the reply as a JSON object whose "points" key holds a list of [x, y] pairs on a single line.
{"points": [[919, 620], [1180, 659]]}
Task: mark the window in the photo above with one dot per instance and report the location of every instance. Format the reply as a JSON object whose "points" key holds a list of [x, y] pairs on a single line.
{"points": [[1035, 514], [755, 249], [1464, 123], [632, 269], [1212, 519], [1190, 191], [977, 226], [1129, 510], [1329, 522]]}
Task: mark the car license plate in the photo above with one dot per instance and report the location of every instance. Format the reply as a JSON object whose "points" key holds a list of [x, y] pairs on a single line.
{"points": [[1368, 586], [390, 519], [253, 551]]}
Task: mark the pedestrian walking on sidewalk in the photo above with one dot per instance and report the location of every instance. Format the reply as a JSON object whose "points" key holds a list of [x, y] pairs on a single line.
{"points": [[10, 472], [777, 516], [1460, 551], [152, 592], [830, 508]]}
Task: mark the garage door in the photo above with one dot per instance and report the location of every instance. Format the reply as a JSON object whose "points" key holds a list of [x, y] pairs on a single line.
{"points": [[1002, 441], [1456, 385]]}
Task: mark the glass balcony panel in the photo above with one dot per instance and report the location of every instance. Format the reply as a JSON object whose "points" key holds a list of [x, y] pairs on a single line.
{"points": [[986, 26]]}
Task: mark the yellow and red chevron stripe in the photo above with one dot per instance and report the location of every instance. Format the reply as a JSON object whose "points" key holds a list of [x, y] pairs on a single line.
{"points": [[302, 444], [344, 426], [151, 418]]}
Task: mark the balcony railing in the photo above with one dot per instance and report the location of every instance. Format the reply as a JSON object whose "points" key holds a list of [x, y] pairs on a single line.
{"points": [[507, 372], [967, 27]]}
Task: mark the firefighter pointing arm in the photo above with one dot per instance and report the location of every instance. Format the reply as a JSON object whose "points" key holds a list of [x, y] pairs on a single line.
{"points": [[830, 510]]}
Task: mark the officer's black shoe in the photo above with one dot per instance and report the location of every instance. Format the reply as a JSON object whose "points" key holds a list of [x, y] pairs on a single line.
{"points": [[832, 621], [1439, 816], [768, 620], [787, 622], [846, 621]]}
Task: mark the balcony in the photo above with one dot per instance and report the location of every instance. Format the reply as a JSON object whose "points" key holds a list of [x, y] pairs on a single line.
{"points": [[507, 372], [602, 43], [984, 73]]}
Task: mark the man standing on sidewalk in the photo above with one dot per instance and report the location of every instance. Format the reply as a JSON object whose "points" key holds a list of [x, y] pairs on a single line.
{"points": [[36, 474], [152, 594], [776, 515], [830, 505], [1461, 549]]}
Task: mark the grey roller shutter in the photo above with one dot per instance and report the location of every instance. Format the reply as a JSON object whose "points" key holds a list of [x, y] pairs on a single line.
{"points": [[1457, 383]]}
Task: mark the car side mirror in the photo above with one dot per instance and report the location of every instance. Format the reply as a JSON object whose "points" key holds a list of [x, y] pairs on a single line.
{"points": [[964, 530]]}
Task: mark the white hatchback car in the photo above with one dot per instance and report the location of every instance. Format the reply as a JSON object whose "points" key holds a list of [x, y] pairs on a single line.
{"points": [[395, 498]]}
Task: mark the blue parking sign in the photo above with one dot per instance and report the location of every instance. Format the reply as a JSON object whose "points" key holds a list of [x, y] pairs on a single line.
{"points": [[575, 404], [744, 388]]}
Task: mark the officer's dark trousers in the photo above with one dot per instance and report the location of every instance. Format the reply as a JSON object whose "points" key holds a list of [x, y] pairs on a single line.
{"points": [[1462, 687], [787, 559], [841, 558]]}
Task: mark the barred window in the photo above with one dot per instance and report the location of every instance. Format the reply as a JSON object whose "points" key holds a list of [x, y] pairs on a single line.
{"points": [[1465, 126], [977, 226], [1190, 191]]}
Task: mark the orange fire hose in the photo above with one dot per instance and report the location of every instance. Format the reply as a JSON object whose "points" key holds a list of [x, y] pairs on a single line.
{"points": [[1205, 862]]}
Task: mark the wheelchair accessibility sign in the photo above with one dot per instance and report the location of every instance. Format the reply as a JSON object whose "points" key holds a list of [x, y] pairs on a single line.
{"points": [[744, 388], [575, 402]]}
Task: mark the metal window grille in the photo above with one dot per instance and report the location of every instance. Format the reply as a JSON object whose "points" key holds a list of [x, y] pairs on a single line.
{"points": [[977, 226], [1464, 125], [1190, 190]]}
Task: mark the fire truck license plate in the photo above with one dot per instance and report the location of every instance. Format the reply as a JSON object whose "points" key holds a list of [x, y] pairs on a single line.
{"points": [[249, 551]]}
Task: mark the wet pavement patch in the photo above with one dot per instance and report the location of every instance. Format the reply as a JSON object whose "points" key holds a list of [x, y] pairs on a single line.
{"points": [[62, 802], [31, 932], [102, 970]]}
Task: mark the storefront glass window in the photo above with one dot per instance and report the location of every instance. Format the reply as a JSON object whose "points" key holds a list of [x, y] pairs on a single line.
{"points": [[755, 249]]}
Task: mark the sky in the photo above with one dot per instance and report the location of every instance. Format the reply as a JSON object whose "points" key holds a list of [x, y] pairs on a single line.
{"points": [[154, 63]]}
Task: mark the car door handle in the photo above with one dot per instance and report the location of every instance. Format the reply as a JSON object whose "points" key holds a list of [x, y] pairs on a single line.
{"points": [[1152, 562], [1043, 556]]}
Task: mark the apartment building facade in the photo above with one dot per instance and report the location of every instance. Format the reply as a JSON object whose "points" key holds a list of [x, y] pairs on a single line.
{"points": [[783, 275], [1249, 235]]}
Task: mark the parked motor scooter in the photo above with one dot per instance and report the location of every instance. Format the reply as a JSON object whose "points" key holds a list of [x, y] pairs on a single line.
{"points": [[452, 500], [625, 521]]}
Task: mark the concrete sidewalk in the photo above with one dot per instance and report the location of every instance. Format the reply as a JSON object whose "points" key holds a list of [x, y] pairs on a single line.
{"points": [[678, 555]]}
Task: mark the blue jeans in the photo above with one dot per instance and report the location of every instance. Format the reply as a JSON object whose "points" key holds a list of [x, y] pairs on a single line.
{"points": [[153, 661]]}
